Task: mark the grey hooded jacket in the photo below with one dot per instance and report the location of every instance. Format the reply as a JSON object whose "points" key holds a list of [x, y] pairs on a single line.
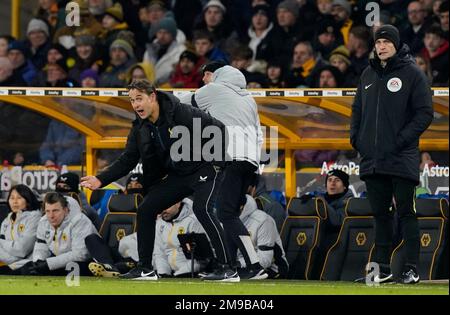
{"points": [[17, 238], [66, 243], [227, 100]]}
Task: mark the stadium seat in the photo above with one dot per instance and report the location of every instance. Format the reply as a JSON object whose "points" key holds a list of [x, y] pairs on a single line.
{"points": [[3, 211], [301, 236], [347, 258], [433, 225], [121, 218]]}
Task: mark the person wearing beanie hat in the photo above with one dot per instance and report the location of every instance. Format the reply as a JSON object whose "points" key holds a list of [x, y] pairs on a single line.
{"points": [[336, 196], [124, 45], [344, 4], [18, 54], [56, 52], [290, 6], [68, 182], [37, 25], [115, 12], [89, 78], [391, 110], [85, 40], [390, 33], [329, 77], [215, 3], [168, 24], [38, 41], [135, 184], [340, 58]]}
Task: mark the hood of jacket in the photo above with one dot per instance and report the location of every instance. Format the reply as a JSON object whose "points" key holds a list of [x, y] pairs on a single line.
{"points": [[232, 78], [401, 59], [185, 211], [249, 208]]}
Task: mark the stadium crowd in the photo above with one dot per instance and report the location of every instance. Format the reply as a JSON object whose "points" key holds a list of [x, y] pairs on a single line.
{"points": [[290, 43]]}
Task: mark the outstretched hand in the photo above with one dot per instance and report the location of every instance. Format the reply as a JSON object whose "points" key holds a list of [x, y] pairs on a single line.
{"points": [[90, 182]]}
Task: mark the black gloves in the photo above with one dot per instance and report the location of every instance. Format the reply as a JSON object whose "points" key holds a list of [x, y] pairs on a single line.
{"points": [[39, 267]]}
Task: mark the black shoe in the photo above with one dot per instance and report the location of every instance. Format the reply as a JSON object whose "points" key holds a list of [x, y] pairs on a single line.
{"points": [[224, 274], [103, 270], [140, 273], [253, 274], [409, 276]]}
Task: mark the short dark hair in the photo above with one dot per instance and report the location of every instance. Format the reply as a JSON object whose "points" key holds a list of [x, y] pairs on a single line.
{"points": [[54, 197], [26, 193], [212, 66], [203, 34], [142, 85], [436, 30]]}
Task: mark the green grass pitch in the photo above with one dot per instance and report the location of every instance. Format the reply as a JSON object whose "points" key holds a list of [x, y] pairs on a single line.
{"points": [[104, 286]]}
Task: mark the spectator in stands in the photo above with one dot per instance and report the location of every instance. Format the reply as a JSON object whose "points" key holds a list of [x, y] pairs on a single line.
{"points": [[38, 42], [340, 58], [18, 229], [69, 183], [274, 75], [121, 58], [18, 159], [60, 237], [341, 12], [48, 12], [87, 56], [285, 35], [112, 23], [89, 79], [324, 6], [437, 52], [65, 35], [304, 66], [215, 21], [327, 38], [55, 52], [7, 76], [265, 238], [424, 64], [443, 17], [265, 201], [5, 40], [139, 71], [62, 145], [414, 32], [187, 74], [23, 67], [241, 59], [205, 47], [426, 160], [57, 76], [328, 77], [185, 14], [98, 8], [359, 44], [164, 52]]}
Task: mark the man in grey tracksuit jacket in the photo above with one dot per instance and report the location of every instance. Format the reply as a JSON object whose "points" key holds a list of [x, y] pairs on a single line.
{"points": [[17, 238], [168, 256], [227, 99], [57, 246], [265, 238]]}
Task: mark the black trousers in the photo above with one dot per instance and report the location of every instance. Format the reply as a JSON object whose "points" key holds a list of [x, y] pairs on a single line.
{"points": [[204, 185], [238, 177], [381, 189]]}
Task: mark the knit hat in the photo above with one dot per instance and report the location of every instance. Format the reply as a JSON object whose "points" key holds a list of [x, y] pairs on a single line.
{"points": [[289, 5], [71, 179], [60, 48], [37, 25], [189, 55], [124, 45], [342, 53], [89, 73], [19, 45], [327, 26], [212, 66], [167, 24], [390, 33], [116, 12], [156, 4], [85, 39], [334, 71], [343, 176], [215, 3], [137, 177], [343, 3], [262, 9]]}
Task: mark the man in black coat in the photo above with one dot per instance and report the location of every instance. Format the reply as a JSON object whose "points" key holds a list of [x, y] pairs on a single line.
{"points": [[170, 175], [392, 108]]}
